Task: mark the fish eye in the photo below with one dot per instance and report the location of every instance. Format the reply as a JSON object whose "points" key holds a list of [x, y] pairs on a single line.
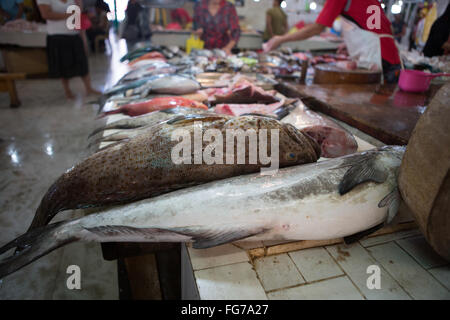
{"points": [[291, 156]]}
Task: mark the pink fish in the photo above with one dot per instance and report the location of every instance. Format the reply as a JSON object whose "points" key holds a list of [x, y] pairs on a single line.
{"points": [[334, 140]]}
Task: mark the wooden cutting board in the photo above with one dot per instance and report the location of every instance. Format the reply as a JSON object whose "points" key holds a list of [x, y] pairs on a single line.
{"points": [[331, 74], [382, 111]]}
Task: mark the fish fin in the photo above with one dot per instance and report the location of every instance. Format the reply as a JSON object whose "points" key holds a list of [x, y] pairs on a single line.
{"points": [[97, 130], [112, 145], [33, 245], [361, 172], [359, 235], [203, 237], [392, 201], [207, 237]]}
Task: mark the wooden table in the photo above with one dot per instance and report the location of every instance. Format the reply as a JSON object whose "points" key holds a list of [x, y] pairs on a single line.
{"points": [[7, 84], [382, 111]]}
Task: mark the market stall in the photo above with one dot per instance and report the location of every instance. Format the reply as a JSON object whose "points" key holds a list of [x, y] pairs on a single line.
{"points": [[271, 171], [24, 51]]}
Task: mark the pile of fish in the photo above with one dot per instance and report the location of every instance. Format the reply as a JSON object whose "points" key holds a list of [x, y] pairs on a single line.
{"points": [[210, 197]]}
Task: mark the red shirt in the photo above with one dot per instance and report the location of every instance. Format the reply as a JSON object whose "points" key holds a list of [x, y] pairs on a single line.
{"points": [[357, 12], [220, 29]]}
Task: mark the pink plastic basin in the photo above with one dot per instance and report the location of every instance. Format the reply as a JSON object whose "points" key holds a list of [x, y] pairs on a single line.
{"points": [[417, 81]]}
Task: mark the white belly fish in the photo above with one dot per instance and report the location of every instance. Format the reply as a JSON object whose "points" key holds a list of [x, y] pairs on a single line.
{"points": [[334, 198]]}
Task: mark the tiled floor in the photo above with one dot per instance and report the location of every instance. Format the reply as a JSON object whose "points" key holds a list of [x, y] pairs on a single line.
{"points": [[408, 268], [38, 142]]}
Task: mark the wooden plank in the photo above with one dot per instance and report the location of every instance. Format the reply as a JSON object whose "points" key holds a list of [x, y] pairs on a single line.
{"points": [[305, 244], [382, 111], [143, 277], [12, 76]]}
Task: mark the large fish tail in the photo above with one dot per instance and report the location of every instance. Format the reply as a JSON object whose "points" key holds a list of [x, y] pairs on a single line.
{"points": [[42, 216], [50, 205], [34, 244]]}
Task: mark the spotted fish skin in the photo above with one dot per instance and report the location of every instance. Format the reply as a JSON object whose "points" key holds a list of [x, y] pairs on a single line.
{"points": [[142, 167]]}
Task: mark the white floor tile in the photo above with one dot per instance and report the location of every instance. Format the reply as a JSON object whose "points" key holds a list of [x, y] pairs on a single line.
{"points": [[389, 237], [217, 256], [355, 260], [442, 274], [422, 252], [232, 282], [315, 264], [277, 272], [409, 274], [333, 289]]}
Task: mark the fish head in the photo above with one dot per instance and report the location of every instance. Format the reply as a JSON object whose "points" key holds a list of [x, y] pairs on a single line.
{"points": [[296, 147]]}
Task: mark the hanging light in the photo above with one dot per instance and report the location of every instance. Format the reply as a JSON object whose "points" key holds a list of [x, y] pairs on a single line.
{"points": [[284, 4], [313, 6]]}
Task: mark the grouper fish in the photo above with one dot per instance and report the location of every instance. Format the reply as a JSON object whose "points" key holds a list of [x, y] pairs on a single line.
{"points": [[143, 167], [325, 200]]}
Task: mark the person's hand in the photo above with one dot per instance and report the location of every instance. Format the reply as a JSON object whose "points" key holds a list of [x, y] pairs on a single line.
{"points": [[273, 43], [342, 49], [227, 50]]}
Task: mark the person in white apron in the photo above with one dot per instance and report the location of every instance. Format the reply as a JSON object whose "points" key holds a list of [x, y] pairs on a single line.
{"points": [[364, 46]]}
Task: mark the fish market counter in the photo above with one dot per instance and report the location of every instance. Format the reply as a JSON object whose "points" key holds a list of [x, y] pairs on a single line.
{"points": [[273, 269], [248, 40], [382, 111], [24, 52]]}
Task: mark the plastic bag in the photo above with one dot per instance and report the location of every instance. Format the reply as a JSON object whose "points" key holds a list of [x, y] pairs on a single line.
{"points": [[194, 43]]}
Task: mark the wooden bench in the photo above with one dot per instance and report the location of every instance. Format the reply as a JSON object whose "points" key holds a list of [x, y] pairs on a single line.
{"points": [[7, 84]]}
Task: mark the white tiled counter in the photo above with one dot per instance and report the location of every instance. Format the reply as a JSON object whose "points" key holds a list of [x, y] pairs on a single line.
{"points": [[409, 270]]}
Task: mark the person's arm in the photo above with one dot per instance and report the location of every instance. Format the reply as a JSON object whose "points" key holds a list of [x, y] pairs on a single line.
{"points": [[305, 33], [269, 24], [19, 11], [331, 10], [48, 14]]}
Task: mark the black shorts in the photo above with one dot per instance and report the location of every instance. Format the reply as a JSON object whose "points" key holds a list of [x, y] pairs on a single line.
{"points": [[66, 56]]}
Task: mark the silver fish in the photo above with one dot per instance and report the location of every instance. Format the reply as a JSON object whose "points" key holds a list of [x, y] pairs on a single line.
{"points": [[325, 200], [147, 119]]}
